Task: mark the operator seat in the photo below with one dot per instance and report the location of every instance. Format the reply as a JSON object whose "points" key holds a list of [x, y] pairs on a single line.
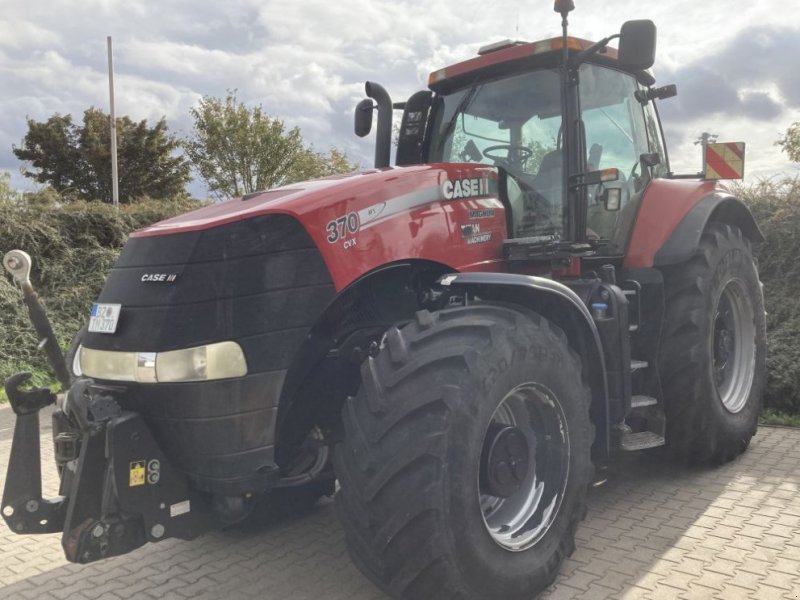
{"points": [[548, 179], [548, 183]]}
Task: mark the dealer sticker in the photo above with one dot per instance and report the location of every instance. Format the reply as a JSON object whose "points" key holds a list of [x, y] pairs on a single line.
{"points": [[104, 318]]}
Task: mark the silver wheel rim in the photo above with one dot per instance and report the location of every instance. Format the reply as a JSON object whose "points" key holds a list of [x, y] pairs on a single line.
{"points": [[733, 346], [521, 520]]}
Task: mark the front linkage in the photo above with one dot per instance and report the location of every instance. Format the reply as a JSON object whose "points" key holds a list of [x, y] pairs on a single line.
{"points": [[117, 488]]}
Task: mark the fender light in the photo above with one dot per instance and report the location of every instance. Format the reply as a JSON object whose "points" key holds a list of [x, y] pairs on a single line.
{"points": [[202, 363]]}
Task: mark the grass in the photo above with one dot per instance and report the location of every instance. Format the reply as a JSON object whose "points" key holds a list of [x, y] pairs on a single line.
{"points": [[775, 417]]}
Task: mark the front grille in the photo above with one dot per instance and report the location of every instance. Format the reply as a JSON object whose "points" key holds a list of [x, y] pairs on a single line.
{"points": [[260, 282]]}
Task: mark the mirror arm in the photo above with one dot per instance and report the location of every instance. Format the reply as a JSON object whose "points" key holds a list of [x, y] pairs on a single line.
{"points": [[591, 50]]}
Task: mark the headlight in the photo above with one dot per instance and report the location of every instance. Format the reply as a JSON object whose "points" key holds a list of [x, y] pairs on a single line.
{"points": [[214, 361]]}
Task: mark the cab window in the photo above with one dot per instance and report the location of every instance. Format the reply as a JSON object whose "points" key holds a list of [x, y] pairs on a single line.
{"points": [[616, 137]]}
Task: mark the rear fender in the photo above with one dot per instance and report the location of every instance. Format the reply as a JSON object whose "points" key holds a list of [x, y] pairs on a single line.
{"points": [[685, 239], [562, 306], [673, 215]]}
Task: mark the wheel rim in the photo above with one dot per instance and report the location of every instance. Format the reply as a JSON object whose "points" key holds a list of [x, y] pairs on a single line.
{"points": [[524, 511], [734, 346]]}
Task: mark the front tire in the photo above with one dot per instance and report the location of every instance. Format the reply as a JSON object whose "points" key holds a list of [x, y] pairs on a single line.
{"points": [[466, 457], [713, 349]]}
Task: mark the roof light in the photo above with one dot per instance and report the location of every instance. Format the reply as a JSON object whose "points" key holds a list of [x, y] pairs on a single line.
{"points": [[437, 76]]}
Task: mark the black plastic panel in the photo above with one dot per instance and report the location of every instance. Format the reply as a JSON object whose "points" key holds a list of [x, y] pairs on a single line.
{"points": [[260, 282]]}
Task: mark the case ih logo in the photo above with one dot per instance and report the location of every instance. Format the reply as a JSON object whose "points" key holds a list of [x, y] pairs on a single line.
{"points": [[159, 277], [465, 188]]}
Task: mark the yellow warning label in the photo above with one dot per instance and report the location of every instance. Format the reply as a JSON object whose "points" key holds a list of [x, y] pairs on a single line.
{"points": [[137, 473]]}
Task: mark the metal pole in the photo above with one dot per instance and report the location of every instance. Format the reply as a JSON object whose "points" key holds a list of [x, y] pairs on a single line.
{"points": [[113, 119]]}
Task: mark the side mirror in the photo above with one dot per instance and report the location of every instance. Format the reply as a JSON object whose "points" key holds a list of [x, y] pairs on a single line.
{"points": [[637, 45], [363, 117], [611, 197]]}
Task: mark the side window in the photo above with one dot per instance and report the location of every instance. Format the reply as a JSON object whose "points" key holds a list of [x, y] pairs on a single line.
{"points": [[613, 120], [654, 136]]}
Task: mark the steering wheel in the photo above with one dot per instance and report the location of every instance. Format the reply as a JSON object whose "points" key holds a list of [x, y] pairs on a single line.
{"points": [[523, 153]]}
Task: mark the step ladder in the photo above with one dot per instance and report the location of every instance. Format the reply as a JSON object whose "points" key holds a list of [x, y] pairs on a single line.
{"points": [[647, 409]]}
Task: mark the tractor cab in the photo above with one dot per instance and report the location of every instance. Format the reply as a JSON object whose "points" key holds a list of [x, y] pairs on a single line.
{"points": [[569, 124]]}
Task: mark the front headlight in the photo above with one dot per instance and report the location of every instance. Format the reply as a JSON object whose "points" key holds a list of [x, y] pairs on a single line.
{"points": [[203, 363]]}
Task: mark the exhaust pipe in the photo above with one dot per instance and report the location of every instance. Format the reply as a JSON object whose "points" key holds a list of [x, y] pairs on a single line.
{"points": [[383, 139]]}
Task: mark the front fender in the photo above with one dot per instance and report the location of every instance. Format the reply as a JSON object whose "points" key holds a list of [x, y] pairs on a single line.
{"points": [[561, 305]]}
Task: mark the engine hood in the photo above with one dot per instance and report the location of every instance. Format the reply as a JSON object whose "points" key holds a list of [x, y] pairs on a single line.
{"points": [[446, 213]]}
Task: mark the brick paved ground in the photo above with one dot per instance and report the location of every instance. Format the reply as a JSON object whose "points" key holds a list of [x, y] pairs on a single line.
{"points": [[653, 532]]}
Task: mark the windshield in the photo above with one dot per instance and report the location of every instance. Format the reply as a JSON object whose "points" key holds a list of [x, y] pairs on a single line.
{"points": [[514, 123]]}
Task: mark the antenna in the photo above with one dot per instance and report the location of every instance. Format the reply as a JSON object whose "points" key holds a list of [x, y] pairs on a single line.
{"points": [[706, 138]]}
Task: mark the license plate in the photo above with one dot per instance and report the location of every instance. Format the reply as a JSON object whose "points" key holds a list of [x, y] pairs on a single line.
{"points": [[104, 317]]}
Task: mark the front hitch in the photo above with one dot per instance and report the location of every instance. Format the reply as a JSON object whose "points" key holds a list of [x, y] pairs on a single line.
{"points": [[117, 489], [24, 509]]}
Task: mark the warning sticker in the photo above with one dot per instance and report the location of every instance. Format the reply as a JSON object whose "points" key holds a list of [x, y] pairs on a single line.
{"points": [[137, 472]]}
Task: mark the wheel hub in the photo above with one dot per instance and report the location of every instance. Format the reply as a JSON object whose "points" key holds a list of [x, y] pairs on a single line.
{"points": [[733, 346], [506, 460], [524, 467]]}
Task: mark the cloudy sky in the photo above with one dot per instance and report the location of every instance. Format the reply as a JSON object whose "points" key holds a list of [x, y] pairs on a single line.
{"points": [[736, 62]]}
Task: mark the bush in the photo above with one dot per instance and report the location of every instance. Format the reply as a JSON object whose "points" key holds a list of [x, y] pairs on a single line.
{"points": [[776, 207], [73, 246]]}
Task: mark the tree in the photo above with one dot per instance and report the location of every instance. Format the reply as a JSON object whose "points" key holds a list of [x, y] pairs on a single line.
{"points": [[238, 150], [76, 159], [790, 142], [7, 193]]}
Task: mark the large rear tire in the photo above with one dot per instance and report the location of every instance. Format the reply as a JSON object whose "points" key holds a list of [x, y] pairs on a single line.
{"points": [[466, 457], [713, 349]]}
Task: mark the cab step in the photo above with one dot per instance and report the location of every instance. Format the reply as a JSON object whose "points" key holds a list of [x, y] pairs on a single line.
{"points": [[641, 440], [642, 401]]}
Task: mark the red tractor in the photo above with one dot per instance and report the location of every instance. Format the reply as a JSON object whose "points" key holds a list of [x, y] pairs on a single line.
{"points": [[455, 339]]}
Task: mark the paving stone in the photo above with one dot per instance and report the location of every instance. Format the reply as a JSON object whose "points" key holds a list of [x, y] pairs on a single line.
{"points": [[654, 531]]}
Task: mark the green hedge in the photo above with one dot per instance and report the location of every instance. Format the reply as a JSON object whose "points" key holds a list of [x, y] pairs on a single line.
{"points": [[776, 206], [75, 245]]}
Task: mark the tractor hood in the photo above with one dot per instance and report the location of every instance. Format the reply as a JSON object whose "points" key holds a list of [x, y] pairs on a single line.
{"points": [[378, 215]]}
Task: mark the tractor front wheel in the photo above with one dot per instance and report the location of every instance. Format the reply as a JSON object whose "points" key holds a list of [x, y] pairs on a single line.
{"points": [[466, 457]]}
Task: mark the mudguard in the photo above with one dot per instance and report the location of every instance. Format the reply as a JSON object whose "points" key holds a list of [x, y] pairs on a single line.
{"points": [[541, 294], [673, 215], [685, 239]]}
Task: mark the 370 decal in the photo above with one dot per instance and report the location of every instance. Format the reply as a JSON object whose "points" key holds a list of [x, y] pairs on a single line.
{"points": [[342, 228]]}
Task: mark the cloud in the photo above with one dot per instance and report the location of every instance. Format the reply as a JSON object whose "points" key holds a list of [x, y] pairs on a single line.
{"points": [[749, 76], [306, 62]]}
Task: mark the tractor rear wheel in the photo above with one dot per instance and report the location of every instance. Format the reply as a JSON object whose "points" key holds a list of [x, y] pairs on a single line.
{"points": [[713, 349], [466, 457]]}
